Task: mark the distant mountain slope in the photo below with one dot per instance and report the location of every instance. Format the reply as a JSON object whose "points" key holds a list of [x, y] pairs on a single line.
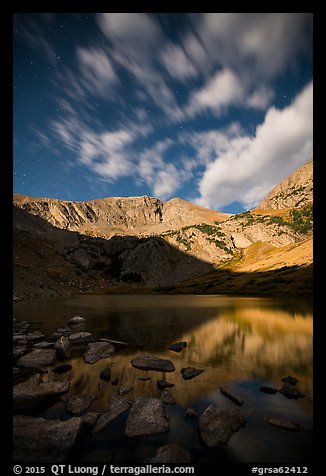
{"points": [[125, 215], [295, 190]]}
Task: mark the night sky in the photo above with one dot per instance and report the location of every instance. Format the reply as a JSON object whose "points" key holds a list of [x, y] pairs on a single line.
{"points": [[213, 108]]}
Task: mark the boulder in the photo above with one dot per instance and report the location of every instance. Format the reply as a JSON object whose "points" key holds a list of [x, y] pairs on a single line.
{"points": [[216, 426], [190, 413], [150, 362], [268, 389], [146, 417], [291, 380], [40, 441], [89, 419], [167, 397], [76, 320], [124, 390], [80, 337], [97, 351], [289, 391], [283, 424], [62, 347], [29, 395], [171, 454], [232, 396], [117, 406], [43, 345], [105, 374], [78, 403], [178, 346], [36, 358], [35, 336], [190, 372]]}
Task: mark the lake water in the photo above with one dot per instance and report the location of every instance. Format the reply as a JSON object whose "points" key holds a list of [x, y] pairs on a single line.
{"points": [[241, 342]]}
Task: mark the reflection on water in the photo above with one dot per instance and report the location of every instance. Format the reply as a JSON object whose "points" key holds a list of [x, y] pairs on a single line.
{"points": [[243, 342]]}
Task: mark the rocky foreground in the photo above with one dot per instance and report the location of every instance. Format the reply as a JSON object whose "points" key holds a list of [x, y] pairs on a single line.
{"points": [[40, 440]]}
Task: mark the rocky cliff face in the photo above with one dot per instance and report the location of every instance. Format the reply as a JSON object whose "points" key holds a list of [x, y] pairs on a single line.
{"points": [[294, 191], [127, 215]]}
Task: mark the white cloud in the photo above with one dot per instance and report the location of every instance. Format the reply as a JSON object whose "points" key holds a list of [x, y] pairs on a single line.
{"points": [[97, 71], [177, 63], [221, 91], [260, 98], [248, 168]]}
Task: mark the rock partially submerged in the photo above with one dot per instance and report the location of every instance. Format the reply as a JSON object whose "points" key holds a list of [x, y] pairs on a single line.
{"points": [[283, 424], [216, 426], [145, 378], [291, 392], [80, 337], [268, 389], [37, 440], [167, 397], [35, 336], [171, 454], [291, 380], [150, 362], [117, 344], [43, 345], [124, 390], [117, 406], [36, 358], [97, 351], [28, 395], [178, 346], [63, 348], [78, 403], [164, 384], [76, 320], [146, 417], [62, 331], [232, 396], [105, 374], [89, 419], [190, 413], [190, 372]]}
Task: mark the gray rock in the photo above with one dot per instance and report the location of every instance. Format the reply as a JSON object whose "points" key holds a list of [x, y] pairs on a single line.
{"points": [[164, 384], [190, 413], [146, 417], [63, 348], [190, 372], [97, 351], [216, 426], [283, 424], [19, 352], [89, 419], [117, 406], [124, 390], [35, 336], [36, 358], [39, 441], [19, 339], [268, 389], [78, 403], [291, 392], [43, 345], [178, 346], [61, 369], [105, 374], [171, 454], [167, 397], [149, 362], [76, 320], [291, 380], [80, 337], [232, 396], [29, 395]]}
